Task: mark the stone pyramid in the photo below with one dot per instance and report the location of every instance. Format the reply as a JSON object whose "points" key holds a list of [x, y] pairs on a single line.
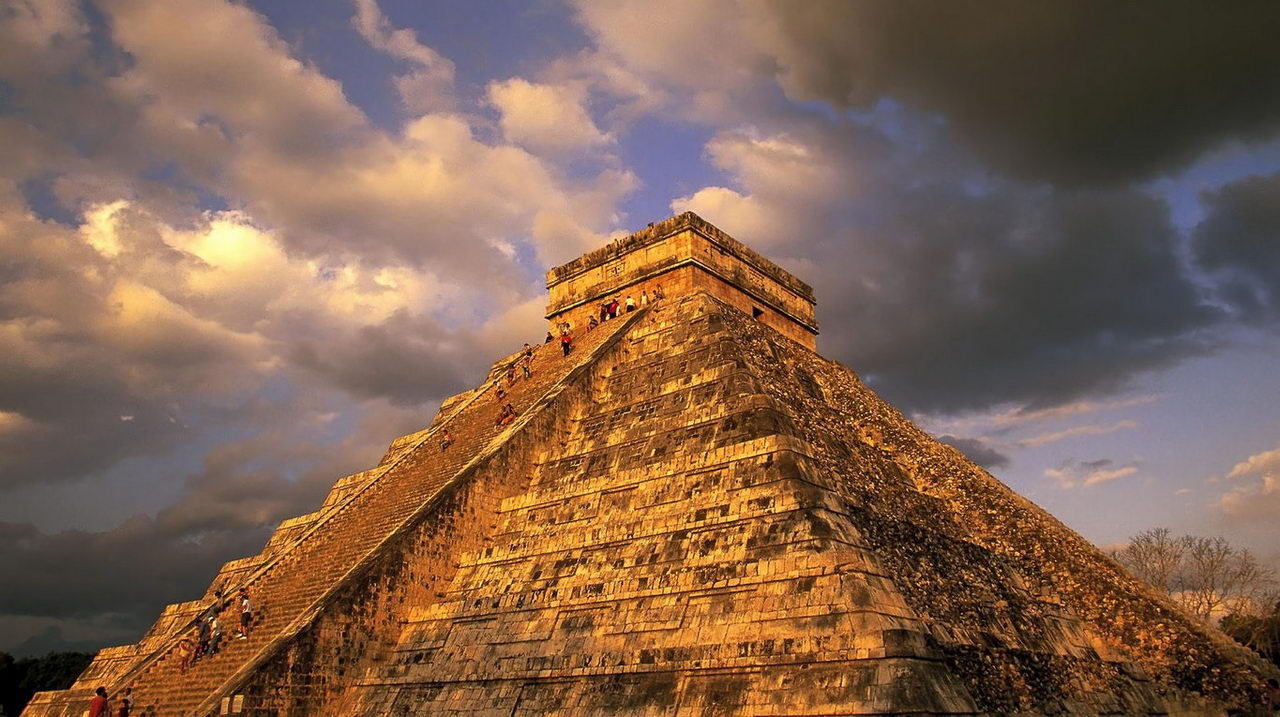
{"points": [[693, 514]]}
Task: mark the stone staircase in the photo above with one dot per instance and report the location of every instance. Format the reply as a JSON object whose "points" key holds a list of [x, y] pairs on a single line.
{"points": [[289, 590]]}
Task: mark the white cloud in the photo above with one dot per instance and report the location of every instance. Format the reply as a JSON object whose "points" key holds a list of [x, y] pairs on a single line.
{"points": [[1005, 418], [1257, 464], [1103, 476], [12, 422], [1257, 502], [383, 266], [1075, 408], [547, 119], [195, 60], [782, 176], [1255, 497], [212, 90], [671, 41], [1085, 430], [1076, 474]]}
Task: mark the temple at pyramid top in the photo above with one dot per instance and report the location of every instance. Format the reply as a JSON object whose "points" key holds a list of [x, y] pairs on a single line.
{"points": [[680, 256]]}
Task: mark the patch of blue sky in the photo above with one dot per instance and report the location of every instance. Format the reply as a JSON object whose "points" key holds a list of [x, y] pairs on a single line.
{"points": [[1197, 400], [42, 200], [486, 40], [668, 156], [322, 34], [101, 501], [1229, 163], [170, 174], [531, 269]]}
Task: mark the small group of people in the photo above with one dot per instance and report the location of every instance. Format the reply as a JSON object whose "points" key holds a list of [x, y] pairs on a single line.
{"points": [[100, 705], [525, 362], [611, 308], [507, 413], [566, 337], [209, 636]]}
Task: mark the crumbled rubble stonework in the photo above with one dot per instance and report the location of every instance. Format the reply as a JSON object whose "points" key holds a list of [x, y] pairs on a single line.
{"points": [[692, 515]]}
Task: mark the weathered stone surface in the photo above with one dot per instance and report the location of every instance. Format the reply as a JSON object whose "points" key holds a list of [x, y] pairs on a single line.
{"points": [[692, 515]]}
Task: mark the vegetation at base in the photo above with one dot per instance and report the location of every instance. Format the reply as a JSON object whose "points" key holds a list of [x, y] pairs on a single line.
{"points": [[22, 678], [1262, 633], [1214, 580]]}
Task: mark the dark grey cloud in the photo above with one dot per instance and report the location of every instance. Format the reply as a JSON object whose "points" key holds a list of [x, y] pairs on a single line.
{"points": [[1238, 243], [977, 451], [226, 510], [399, 359], [72, 364], [53, 639], [1076, 92], [961, 301], [954, 290], [133, 569], [1093, 465]]}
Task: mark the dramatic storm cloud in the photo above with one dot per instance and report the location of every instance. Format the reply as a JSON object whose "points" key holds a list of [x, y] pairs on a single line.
{"points": [[245, 245], [1239, 242], [1075, 92]]}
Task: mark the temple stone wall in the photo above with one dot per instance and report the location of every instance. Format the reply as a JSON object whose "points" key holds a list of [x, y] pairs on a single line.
{"points": [[682, 255]]}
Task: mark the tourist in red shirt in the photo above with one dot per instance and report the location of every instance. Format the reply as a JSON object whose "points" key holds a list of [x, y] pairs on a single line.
{"points": [[100, 706]]}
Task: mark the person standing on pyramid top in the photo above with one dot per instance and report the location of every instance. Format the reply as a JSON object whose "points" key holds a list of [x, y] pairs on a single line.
{"points": [[644, 299], [613, 308]]}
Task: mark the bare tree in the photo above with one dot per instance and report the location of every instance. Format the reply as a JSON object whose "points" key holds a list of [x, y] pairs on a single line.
{"points": [[1155, 557], [1208, 576]]}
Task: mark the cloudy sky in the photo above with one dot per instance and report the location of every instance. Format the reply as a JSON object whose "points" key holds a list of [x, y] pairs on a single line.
{"points": [[245, 245]]}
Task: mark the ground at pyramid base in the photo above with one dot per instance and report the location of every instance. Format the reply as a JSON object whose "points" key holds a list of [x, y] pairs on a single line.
{"points": [[691, 513]]}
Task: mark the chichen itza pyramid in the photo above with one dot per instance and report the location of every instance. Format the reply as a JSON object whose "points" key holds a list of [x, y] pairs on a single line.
{"points": [[693, 514]]}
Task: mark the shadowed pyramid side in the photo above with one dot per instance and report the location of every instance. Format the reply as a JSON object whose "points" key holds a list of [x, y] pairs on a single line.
{"points": [[1030, 615]]}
